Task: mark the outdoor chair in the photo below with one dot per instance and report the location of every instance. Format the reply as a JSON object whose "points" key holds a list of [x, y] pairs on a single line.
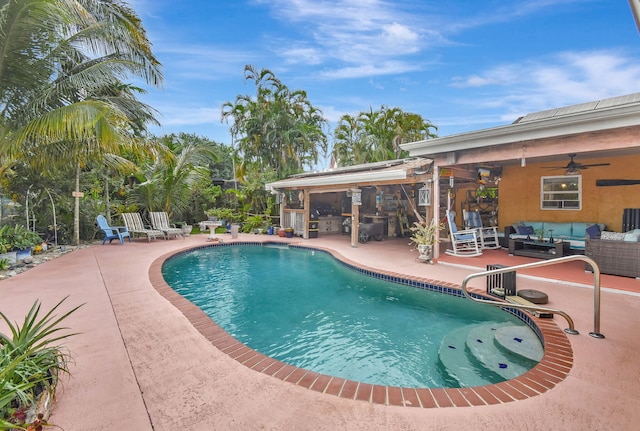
{"points": [[112, 232], [464, 243], [133, 222], [160, 221], [488, 235]]}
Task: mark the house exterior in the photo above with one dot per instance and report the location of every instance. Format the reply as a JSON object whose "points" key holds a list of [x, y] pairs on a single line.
{"points": [[527, 166], [579, 163]]}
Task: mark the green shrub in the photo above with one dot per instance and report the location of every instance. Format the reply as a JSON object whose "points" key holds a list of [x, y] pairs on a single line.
{"points": [[17, 237], [30, 361]]}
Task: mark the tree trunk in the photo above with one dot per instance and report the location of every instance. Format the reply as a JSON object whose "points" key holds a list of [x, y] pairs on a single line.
{"points": [[76, 209], [106, 199]]}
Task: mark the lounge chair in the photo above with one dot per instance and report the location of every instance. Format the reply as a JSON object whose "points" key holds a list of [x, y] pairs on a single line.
{"points": [[134, 224], [488, 235], [160, 221], [112, 232], [465, 243]]}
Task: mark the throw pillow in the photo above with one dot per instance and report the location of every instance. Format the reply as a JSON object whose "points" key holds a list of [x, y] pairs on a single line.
{"points": [[593, 231], [525, 230], [612, 236], [632, 236]]}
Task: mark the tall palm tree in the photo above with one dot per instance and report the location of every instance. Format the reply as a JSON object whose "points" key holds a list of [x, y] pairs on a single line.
{"points": [[63, 92], [375, 136], [278, 128]]}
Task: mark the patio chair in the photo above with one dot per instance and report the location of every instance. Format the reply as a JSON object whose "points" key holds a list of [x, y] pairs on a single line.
{"points": [[133, 222], [465, 242], [112, 232], [488, 235], [160, 221]]}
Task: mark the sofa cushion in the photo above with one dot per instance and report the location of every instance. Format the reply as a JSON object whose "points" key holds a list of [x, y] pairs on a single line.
{"points": [[612, 236], [559, 229], [536, 225], [632, 236], [525, 230], [593, 231]]}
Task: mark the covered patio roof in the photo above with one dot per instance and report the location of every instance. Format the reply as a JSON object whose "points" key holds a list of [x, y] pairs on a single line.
{"points": [[397, 171]]}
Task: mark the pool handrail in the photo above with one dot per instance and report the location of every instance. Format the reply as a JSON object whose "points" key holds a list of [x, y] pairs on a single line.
{"points": [[571, 329]]}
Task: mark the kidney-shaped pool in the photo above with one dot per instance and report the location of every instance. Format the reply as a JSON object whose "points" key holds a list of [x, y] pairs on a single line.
{"points": [[307, 309]]}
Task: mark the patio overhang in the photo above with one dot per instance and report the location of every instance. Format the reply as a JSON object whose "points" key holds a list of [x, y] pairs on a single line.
{"points": [[353, 176]]}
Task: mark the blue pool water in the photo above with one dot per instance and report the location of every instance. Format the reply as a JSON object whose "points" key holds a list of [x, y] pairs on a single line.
{"points": [[306, 309]]}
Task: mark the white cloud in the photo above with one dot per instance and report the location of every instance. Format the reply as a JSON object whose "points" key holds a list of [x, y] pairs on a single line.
{"points": [[187, 115], [352, 32], [368, 70], [304, 55], [560, 80]]}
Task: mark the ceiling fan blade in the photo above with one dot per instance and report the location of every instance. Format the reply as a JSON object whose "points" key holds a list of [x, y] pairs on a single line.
{"points": [[595, 164], [609, 183]]}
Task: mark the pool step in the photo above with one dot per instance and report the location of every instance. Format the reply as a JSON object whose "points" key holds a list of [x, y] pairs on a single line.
{"points": [[482, 354], [457, 365]]}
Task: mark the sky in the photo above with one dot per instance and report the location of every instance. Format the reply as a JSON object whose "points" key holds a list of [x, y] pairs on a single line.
{"points": [[463, 65]]}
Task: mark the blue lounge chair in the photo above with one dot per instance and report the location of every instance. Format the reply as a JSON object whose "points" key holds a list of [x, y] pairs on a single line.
{"points": [[112, 232]]}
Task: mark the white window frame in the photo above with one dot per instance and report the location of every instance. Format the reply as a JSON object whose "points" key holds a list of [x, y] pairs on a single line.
{"points": [[553, 199]]}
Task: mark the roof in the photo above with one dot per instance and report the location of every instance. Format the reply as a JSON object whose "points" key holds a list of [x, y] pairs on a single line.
{"points": [[605, 114], [390, 170]]}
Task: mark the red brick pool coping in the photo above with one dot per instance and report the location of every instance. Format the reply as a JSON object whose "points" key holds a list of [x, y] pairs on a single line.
{"points": [[550, 371]]}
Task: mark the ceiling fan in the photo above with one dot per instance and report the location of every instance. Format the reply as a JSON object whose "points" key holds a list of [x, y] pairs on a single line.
{"points": [[573, 167]]}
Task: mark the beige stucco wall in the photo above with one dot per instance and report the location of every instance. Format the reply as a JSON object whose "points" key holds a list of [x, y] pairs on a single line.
{"points": [[520, 193]]}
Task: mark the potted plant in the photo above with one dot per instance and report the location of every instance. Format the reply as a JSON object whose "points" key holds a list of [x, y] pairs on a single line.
{"points": [[423, 236], [254, 223], [288, 232], [19, 239]]}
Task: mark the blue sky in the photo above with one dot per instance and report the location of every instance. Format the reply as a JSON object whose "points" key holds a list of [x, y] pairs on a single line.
{"points": [[462, 64]]}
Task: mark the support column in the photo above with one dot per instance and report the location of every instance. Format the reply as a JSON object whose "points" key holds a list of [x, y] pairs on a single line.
{"points": [[356, 201], [436, 208]]}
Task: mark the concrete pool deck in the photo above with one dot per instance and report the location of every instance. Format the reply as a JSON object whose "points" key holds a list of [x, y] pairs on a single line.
{"points": [[139, 364]]}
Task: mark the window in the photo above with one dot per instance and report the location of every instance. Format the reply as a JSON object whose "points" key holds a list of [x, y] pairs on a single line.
{"points": [[561, 193]]}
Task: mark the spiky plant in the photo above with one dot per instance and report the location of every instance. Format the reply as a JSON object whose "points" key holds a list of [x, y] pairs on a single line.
{"points": [[31, 358]]}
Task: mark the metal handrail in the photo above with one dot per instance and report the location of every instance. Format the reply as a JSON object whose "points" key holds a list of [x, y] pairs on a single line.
{"points": [[571, 329]]}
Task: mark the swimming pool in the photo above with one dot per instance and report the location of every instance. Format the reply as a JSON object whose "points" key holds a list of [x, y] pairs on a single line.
{"points": [[306, 309]]}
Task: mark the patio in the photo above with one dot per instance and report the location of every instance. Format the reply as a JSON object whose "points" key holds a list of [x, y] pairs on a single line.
{"points": [[141, 365]]}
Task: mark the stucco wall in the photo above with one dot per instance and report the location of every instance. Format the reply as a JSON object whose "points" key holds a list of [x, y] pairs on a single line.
{"points": [[520, 193]]}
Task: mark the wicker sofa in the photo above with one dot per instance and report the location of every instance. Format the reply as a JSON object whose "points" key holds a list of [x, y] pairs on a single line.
{"points": [[614, 257]]}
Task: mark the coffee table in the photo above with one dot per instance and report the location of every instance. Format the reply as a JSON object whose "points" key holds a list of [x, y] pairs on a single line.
{"points": [[538, 249]]}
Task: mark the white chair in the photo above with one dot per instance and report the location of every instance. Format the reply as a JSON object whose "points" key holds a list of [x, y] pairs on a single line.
{"points": [[488, 235], [135, 226], [465, 243], [160, 221]]}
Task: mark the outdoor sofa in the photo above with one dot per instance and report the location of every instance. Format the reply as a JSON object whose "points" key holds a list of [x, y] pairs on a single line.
{"points": [[616, 253], [573, 232]]}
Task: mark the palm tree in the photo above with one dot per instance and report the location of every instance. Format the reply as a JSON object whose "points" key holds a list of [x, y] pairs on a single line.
{"points": [[375, 136], [178, 163], [279, 128], [62, 93]]}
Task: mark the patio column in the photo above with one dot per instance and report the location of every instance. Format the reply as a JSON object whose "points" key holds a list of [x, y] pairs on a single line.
{"points": [[356, 201], [436, 208]]}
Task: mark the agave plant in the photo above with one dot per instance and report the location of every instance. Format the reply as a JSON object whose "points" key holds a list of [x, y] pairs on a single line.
{"points": [[30, 358]]}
